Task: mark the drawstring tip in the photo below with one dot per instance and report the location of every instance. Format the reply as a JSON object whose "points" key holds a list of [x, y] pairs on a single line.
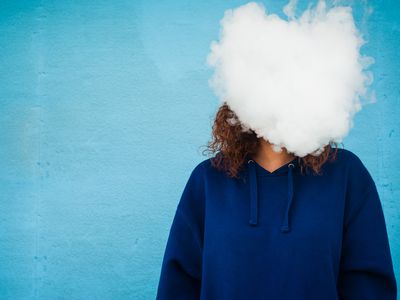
{"points": [[285, 228], [253, 222]]}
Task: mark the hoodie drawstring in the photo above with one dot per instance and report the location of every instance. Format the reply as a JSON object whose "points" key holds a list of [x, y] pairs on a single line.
{"points": [[285, 226], [253, 220], [253, 194]]}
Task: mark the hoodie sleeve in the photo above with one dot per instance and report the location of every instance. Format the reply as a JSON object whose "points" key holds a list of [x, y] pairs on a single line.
{"points": [[180, 276], [366, 270]]}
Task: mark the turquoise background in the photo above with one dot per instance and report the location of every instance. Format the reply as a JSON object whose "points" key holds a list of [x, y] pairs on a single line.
{"points": [[104, 108]]}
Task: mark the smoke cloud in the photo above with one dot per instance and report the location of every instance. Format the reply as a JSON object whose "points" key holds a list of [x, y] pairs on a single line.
{"points": [[298, 82]]}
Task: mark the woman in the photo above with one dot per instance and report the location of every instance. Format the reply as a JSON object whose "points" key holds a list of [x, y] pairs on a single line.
{"points": [[255, 224]]}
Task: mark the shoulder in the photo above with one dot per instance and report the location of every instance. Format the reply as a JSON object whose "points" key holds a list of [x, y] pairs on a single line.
{"points": [[206, 176], [359, 178], [351, 169], [345, 156], [361, 193], [205, 168], [192, 200], [353, 163], [349, 160], [199, 173], [199, 169]]}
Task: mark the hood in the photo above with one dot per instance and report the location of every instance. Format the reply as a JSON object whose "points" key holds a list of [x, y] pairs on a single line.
{"points": [[288, 169]]}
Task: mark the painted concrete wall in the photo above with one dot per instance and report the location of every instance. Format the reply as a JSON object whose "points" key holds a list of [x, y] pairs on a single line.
{"points": [[104, 105]]}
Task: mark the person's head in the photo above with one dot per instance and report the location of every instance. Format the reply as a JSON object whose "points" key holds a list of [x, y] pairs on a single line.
{"points": [[234, 144], [299, 91]]}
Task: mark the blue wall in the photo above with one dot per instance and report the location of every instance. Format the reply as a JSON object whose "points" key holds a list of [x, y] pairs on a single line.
{"points": [[104, 105]]}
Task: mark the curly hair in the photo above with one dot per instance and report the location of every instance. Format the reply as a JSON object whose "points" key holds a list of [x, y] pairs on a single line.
{"points": [[232, 145]]}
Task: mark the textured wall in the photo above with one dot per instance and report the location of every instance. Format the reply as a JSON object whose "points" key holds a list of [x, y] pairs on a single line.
{"points": [[104, 105]]}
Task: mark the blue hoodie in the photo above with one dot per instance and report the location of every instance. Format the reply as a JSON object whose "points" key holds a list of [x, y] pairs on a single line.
{"points": [[279, 235]]}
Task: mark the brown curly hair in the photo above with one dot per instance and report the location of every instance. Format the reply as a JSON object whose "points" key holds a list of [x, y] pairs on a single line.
{"points": [[233, 145]]}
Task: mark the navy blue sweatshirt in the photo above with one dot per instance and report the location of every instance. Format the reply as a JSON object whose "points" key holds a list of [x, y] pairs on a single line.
{"points": [[279, 235]]}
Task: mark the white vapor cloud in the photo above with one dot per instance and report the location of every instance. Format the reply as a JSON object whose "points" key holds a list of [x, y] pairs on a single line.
{"points": [[290, 8], [298, 82]]}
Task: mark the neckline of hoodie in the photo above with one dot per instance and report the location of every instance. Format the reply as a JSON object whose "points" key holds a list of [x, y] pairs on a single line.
{"points": [[281, 171]]}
